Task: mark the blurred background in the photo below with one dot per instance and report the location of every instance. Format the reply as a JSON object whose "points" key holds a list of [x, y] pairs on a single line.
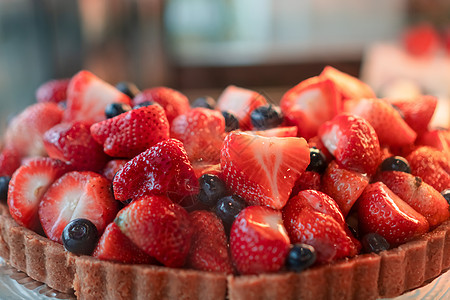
{"points": [[201, 46]]}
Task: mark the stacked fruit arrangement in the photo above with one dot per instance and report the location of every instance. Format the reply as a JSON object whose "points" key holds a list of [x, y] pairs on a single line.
{"points": [[241, 186]]}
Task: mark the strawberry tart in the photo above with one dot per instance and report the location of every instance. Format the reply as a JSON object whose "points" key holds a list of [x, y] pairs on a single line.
{"points": [[109, 192]]}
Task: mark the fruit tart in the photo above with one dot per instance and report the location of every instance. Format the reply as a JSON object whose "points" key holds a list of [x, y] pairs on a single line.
{"points": [[110, 192]]}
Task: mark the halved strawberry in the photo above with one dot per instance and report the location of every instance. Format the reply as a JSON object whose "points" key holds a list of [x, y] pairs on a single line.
{"points": [[201, 131], [310, 103], [112, 167], [10, 160], [132, 132], [391, 129], [383, 212], [343, 185], [27, 187], [73, 143], [209, 246], [113, 245], [26, 130], [348, 86], [420, 39], [241, 102], [353, 142], [437, 138], [263, 170], [158, 227], [53, 91], [288, 131], [163, 169], [259, 242], [76, 195], [173, 102], [88, 96]]}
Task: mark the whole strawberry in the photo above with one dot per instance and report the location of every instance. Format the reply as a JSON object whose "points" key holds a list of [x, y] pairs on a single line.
{"points": [[132, 132], [53, 91], [159, 227]]}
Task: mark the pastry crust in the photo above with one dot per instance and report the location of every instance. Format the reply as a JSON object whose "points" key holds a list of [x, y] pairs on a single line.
{"points": [[367, 276]]}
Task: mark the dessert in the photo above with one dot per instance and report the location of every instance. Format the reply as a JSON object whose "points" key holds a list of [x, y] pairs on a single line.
{"points": [[331, 195]]}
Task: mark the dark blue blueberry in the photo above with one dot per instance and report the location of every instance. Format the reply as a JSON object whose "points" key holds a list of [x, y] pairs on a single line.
{"points": [[144, 104], [300, 257], [4, 183], [115, 109], [266, 117], [212, 188], [374, 243], [318, 161], [395, 163], [446, 194], [231, 122], [80, 236], [128, 88], [205, 101], [227, 208]]}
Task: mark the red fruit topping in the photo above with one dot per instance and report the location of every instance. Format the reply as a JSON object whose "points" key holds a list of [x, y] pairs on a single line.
{"points": [[76, 195], [10, 160], [159, 227], [53, 91], [344, 186], [209, 246], [421, 39], [173, 102], [391, 129], [202, 131], [25, 131], [438, 139], [258, 240], [73, 143], [263, 170], [310, 103], [309, 180], [203, 168], [27, 187], [348, 86], [241, 102], [162, 169], [132, 132], [432, 165], [383, 212], [115, 246], [290, 131], [353, 142], [88, 96], [316, 142], [112, 167]]}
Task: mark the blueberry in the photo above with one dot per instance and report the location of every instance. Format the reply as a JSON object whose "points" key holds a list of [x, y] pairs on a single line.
{"points": [[446, 194], [300, 257], [128, 88], [4, 183], [231, 122], [318, 161], [227, 208], [395, 163], [205, 101], [115, 109], [211, 189], [373, 242], [144, 104], [80, 236], [266, 117]]}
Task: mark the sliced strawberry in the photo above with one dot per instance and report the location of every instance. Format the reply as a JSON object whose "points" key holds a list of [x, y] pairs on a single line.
{"points": [[173, 102], [391, 129], [26, 130], [259, 242], [76, 195], [73, 143], [309, 180], [112, 167], [421, 39], [162, 169], [310, 103], [158, 227], [419, 195], [241, 102], [437, 138], [353, 142], [202, 132], [132, 132], [209, 246], [289, 131], [348, 86], [432, 165], [10, 160], [53, 91], [343, 185], [263, 170], [113, 245], [383, 212], [88, 96], [204, 168], [27, 187]]}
